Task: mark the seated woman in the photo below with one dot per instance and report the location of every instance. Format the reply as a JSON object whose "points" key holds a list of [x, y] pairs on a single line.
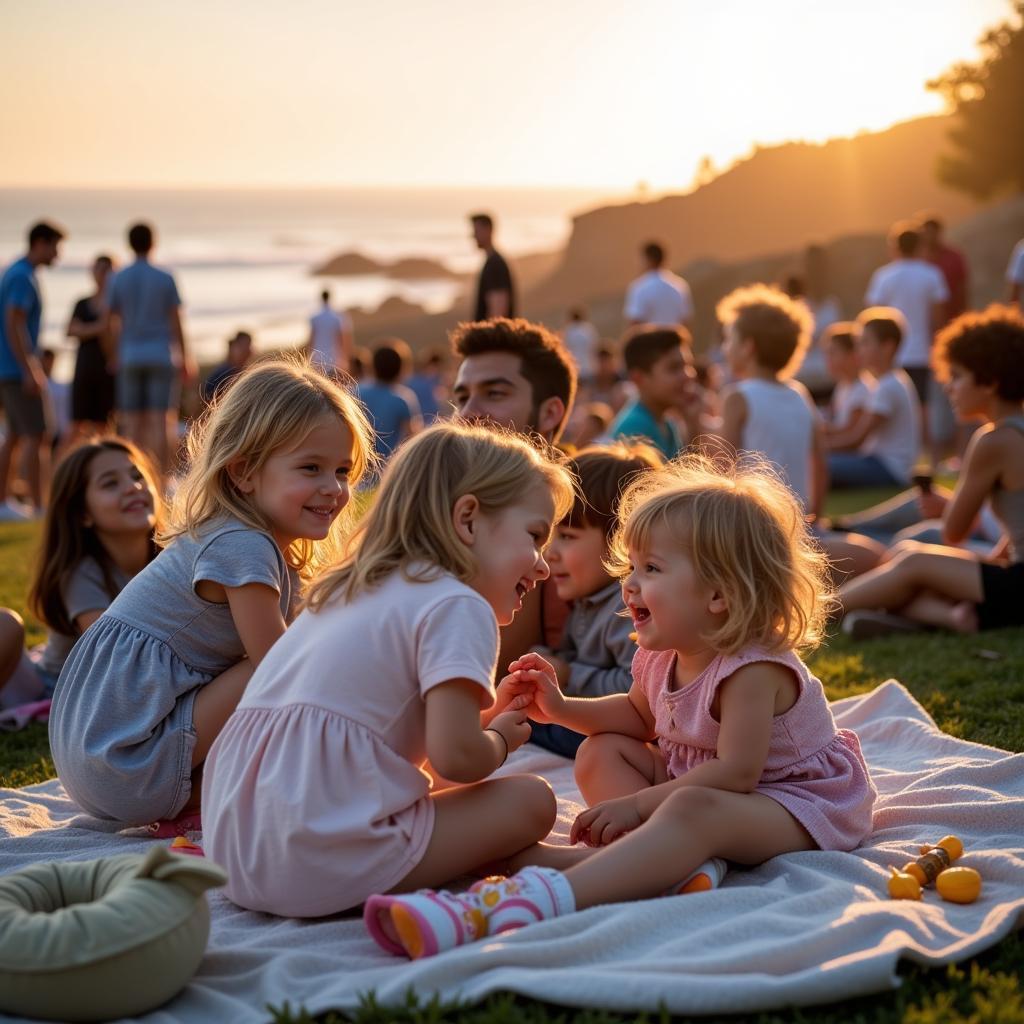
{"points": [[981, 356]]}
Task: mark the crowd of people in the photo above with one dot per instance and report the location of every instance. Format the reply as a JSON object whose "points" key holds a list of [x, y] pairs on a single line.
{"points": [[616, 551]]}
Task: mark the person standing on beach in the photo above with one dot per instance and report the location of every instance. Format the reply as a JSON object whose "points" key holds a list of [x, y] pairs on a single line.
{"points": [[658, 296], [22, 381], [495, 293], [150, 354], [92, 390], [1015, 276], [330, 338]]}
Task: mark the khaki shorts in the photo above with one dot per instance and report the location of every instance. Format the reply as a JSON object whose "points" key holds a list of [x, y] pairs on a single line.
{"points": [[26, 414]]}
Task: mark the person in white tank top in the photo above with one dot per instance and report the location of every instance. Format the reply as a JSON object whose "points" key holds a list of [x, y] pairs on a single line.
{"points": [[766, 334]]}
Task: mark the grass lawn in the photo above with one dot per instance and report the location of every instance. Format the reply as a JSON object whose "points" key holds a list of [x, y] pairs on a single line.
{"points": [[973, 687]]}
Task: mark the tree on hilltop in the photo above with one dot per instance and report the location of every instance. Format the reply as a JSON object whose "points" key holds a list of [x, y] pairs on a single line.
{"points": [[987, 97]]}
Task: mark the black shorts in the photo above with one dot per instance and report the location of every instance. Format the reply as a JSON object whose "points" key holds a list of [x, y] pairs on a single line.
{"points": [[26, 415], [1002, 603], [920, 377]]}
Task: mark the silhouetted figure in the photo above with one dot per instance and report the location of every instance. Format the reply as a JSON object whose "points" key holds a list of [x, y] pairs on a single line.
{"points": [[496, 293], [92, 388]]}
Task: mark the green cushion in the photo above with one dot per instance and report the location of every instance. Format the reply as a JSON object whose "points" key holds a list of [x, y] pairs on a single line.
{"points": [[99, 939]]}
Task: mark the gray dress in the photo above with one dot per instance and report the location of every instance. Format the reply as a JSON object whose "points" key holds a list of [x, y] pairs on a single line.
{"points": [[121, 730]]}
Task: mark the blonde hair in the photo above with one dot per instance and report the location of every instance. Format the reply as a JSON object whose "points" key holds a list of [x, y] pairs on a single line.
{"points": [[745, 533], [779, 327], [272, 404], [409, 528]]}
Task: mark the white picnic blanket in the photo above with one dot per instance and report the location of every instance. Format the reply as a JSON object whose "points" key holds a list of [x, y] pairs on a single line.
{"points": [[802, 929]]}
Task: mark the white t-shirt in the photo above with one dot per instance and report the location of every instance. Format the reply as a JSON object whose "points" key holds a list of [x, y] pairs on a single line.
{"points": [[898, 440], [848, 397], [581, 340], [780, 424], [913, 287], [1015, 269], [659, 297], [327, 325]]}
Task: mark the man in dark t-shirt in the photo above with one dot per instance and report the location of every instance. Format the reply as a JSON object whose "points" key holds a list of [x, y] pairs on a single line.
{"points": [[495, 295]]}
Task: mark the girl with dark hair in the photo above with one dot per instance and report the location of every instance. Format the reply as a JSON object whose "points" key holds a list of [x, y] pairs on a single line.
{"points": [[98, 533]]}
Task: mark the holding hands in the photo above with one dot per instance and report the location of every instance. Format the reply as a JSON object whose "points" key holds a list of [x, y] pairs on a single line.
{"points": [[532, 684]]}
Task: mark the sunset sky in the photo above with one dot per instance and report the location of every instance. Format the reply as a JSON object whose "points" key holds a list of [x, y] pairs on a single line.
{"points": [[401, 92]]}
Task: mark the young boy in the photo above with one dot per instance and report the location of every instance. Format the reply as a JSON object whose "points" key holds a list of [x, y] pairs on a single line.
{"points": [[852, 392], [766, 334], [595, 655], [660, 366], [393, 408], [883, 445]]}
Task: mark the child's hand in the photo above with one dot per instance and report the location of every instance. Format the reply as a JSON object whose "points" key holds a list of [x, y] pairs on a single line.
{"points": [[606, 821], [514, 728], [510, 695], [532, 675]]}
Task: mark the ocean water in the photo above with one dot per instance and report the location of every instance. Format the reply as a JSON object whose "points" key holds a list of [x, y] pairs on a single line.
{"points": [[243, 258]]}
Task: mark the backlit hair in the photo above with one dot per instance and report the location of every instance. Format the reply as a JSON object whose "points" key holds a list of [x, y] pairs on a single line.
{"points": [[67, 541], [409, 528], [745, 533], [603, 472], [779, 327], [990, 346], [272, 404]]}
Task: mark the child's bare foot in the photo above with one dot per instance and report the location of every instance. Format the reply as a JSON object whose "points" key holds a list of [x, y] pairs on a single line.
{"points": [[964, 617]]}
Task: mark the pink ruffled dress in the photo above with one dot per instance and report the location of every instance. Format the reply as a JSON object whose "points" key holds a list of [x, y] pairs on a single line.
{"points": [[815, 770]]}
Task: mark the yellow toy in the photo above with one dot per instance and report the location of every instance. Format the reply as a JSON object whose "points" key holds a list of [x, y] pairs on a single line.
{"points": [[903, 886], [934, 859], [959, 885]]}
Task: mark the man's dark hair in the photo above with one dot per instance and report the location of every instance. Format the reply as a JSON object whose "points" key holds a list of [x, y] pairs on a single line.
{"points": [[907, 238], [990, 345], [643, 345], [390, 359], [544, 362], [140, 238], [325, 296], [884, 328], [654, 252], [603, 471], [105, 260], [842, 334], [482, 218], [44, 231]]}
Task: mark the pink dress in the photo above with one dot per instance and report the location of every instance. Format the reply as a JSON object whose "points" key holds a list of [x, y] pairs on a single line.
{"points": [[313, 793], [816, 771]]}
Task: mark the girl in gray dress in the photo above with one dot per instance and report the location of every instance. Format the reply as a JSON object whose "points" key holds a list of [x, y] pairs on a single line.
{"points": [[148, 687], [98, 533]]}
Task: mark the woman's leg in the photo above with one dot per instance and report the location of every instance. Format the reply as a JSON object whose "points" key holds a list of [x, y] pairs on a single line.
{"points": [[935, 610], [691, 825], [946, 572], [481, 823], [609, 765], [213, 706]]}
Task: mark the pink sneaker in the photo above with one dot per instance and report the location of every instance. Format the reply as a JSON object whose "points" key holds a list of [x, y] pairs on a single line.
{"points": [[186, 824], [533, 894], [424, 923]]}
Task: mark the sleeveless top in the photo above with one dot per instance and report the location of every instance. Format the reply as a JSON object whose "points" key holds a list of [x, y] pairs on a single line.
{"points": [[1008, 506], [815, 770], [780, 425]]}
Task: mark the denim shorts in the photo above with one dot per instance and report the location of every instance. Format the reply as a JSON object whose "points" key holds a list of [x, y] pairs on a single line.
{"points": [[141, 388]]}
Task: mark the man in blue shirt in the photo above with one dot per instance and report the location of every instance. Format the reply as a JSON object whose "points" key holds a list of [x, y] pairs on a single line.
{"points": [[22, 381], [150, 344]]}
